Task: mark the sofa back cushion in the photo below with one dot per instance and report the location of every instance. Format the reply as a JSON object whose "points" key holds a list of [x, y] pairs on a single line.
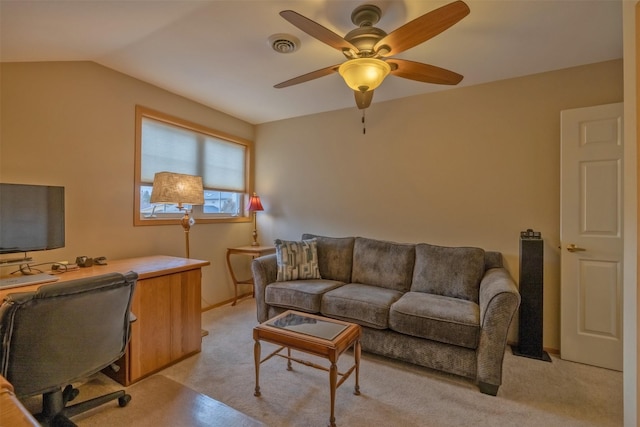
{"points": [[492, 259], [451, 272], [385, 264], [335, 256], [296, 260]]}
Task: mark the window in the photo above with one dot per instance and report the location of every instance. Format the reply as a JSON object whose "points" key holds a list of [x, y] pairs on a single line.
{"points": [[165, 143]]}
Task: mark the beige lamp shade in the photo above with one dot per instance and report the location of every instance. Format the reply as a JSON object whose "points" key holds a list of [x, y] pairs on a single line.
{"points": [[170, 187], [364, 74]]}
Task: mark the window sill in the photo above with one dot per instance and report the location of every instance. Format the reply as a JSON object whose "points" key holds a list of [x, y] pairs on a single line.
{"points": [[137, 222]]}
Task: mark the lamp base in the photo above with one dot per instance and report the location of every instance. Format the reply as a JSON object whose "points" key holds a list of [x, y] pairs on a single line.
{"points": [[255, 232], [186, 223]]}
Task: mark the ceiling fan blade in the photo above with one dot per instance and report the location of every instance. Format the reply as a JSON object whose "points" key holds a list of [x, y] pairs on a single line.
{"points": [[423, 72], [309, 76], [317, 31], [363, 99], [423, 28]]}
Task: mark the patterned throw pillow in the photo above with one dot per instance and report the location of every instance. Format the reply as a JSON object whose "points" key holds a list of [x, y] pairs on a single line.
{"points": [[297, 260]]}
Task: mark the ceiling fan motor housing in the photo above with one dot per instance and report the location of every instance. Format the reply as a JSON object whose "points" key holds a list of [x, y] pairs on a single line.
{"points": [[365, 38], [366, 35]]}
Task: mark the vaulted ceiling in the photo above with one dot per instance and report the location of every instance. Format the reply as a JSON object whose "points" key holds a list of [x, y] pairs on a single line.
{"points": [[217, 52]]}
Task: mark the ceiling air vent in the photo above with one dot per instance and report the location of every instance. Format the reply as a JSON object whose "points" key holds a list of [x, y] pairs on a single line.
{"points": [[284, 43]]}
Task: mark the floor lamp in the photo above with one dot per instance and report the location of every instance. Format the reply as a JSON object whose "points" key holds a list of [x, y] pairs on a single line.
{"points": [[255, 206], [179, 189]]}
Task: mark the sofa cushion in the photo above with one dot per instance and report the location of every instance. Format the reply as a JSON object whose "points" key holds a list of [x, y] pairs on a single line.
{"points": [[385, 264], [335, 256], [304, 295], [362, 304], [297, 260], [438, 318], [492, 259], [451, 272]]}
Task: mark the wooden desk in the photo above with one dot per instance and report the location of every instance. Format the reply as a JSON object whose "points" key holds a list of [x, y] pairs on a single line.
{"points": [[12, 412], [167, 304], [253, 252]]}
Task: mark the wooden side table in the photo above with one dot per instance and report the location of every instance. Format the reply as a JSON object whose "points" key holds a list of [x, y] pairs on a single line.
{"points": [[311, 334], [253, 252]]}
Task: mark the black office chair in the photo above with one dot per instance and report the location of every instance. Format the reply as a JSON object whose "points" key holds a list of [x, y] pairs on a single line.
{"points": [[62, 333]]}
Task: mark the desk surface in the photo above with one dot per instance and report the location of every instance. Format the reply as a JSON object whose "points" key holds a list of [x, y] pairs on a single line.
{"points": [[146, 267], [12, 413]]}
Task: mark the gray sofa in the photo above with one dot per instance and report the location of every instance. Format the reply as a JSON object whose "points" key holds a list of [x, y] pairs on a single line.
{"points": [[445, 308]]}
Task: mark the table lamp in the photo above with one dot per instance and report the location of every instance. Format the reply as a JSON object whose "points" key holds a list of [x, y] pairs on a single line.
{"points": [[177, 188], [255, 206]]}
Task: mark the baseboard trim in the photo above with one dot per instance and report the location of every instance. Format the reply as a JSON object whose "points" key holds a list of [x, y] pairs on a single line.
{"points": [[225, 302], [554, 351]]}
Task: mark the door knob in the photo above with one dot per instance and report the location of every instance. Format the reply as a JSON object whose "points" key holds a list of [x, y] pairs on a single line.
{"points": [[573, 248]]}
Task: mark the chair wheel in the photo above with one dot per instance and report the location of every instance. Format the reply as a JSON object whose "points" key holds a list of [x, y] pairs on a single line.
{"points": [[124, 400]]}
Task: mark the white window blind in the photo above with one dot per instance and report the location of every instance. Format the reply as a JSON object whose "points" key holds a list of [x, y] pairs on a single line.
{"points": [[166, 147]]}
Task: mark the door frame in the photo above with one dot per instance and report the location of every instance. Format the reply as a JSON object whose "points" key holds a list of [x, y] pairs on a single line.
{"points": [[631, 322]]}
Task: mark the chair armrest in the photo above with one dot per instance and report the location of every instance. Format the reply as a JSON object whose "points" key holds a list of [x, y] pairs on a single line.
{"points": [[499, 301], [265, 271]]}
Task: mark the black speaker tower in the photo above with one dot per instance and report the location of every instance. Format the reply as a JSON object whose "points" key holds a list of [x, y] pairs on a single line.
{"points": [[531, 293]]}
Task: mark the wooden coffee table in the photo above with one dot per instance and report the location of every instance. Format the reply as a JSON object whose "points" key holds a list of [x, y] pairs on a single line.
{"points": [[317, 335]]}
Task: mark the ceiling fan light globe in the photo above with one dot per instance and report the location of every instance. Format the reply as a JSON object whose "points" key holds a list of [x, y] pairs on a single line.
{"points": [[364, 73]]}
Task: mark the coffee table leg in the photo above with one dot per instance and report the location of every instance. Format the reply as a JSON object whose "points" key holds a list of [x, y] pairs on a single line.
{"points": [[256, 358], [333, 380], [356, 352], [289, 367]]}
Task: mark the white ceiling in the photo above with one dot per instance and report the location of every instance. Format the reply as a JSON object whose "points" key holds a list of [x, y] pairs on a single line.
{"points": [[216, 52]]}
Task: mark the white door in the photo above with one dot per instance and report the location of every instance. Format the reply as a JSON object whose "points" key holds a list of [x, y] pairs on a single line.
{"points": [[591, 235]]}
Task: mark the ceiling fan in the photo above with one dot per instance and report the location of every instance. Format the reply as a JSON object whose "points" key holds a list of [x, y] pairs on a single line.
{"points": [[367, 49]]}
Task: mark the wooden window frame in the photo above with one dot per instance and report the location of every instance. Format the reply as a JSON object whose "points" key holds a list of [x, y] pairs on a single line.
{"points": [[142, 112]]}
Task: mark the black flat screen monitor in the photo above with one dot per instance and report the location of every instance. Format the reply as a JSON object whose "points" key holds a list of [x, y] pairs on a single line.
{"points": [[31, 218]]}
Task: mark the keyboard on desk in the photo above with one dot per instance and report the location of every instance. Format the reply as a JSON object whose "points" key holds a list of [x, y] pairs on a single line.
{"points": [[28, 279]]}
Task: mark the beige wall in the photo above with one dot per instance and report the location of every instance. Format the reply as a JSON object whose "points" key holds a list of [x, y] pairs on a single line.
{"points": [[72, 124], [469, 166]]}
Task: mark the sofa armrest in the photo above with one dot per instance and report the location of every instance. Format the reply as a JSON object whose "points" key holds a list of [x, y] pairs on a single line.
{"points": [[265, 271], [499, 300]]}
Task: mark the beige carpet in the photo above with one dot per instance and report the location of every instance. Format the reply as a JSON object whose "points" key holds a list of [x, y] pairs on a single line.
{"points": [[534, 393]]}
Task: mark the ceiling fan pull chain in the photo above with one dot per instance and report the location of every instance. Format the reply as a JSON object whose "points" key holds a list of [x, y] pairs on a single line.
{"points": [[364, 128]]}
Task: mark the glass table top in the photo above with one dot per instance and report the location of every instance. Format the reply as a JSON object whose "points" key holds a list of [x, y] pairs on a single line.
{"points": [[312, 326]]}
